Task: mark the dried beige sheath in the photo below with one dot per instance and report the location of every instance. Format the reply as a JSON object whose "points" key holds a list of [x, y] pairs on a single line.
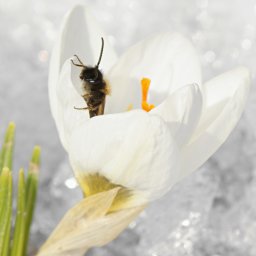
{"points": [[88, 225]]}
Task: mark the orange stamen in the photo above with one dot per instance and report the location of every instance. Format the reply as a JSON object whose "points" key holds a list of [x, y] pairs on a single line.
{"points": [[145, 83]]}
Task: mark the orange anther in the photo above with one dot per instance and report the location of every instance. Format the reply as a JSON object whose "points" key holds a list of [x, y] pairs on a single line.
{"points": [[145, 83]]}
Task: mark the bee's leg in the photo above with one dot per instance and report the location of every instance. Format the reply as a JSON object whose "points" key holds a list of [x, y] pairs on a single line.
{"points": [[85, 108], [90, 108], [94, 108]]}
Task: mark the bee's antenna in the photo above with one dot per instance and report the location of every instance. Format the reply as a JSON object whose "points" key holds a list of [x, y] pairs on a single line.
{"points": [[101, 52], [78, 65]]}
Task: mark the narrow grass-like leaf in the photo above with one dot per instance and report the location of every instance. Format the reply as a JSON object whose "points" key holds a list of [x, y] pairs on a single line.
{"points": [[27, 190], [8, 205], [3, 195], [20, 222], [7, 148], [31, 192], [3, 192], [6, 209]]}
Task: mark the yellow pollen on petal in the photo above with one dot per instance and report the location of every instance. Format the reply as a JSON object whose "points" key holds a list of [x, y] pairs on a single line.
{"points": [[145, 83], [130, 107]]}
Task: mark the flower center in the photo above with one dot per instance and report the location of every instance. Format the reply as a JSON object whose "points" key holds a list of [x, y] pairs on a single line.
{"points": [[145, 83], [95, 183]]}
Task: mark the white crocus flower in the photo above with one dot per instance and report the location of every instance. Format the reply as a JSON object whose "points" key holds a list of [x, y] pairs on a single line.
{"points": [[143, 152]]}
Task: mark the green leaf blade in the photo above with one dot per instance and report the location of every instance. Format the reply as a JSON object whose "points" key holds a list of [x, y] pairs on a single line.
{"points": [[6, 211], [20, 222], [7, 148], [31, 192]]}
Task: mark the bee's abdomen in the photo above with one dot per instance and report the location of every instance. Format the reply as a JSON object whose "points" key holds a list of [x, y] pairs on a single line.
{"points": [[95, 93]]}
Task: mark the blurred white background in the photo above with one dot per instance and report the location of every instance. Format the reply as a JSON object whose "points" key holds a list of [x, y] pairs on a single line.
{"points": [[212, 212]]}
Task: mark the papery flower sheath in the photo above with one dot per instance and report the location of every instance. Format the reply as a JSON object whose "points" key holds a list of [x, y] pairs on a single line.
{"points": [[161, 122]]}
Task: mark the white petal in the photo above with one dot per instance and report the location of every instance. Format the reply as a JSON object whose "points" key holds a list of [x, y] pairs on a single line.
{"points": [[81, 35], [169, 60], [181, 110], [67, 97], [133, 149], [228, 93]]}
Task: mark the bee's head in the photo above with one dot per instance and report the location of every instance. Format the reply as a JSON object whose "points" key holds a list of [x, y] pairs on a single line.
{"points": [[90, 74]]}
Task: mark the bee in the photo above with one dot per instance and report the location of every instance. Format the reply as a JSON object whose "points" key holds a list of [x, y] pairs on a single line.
{"points": [[94, 85]]}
